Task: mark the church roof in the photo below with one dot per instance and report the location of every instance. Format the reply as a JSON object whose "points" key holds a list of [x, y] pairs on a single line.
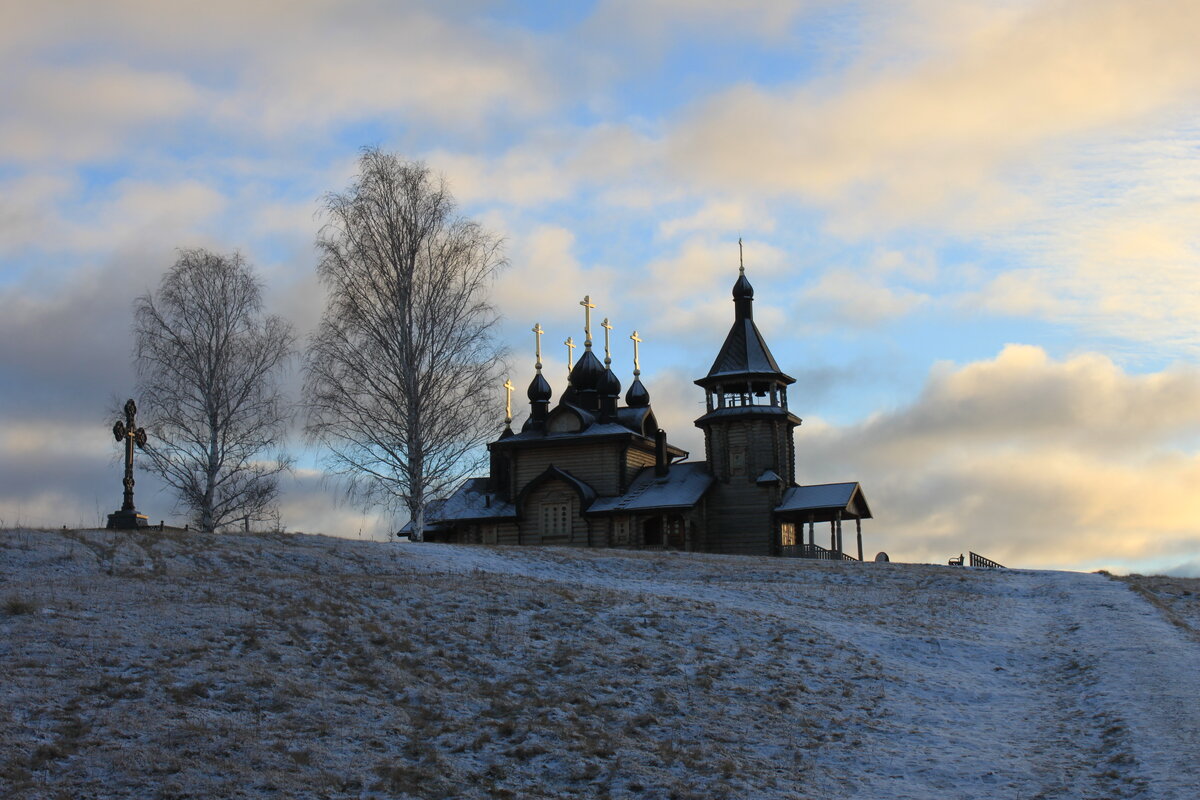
{"points": [[681, 487], [470, 502], [744, 351], [826, 497]]}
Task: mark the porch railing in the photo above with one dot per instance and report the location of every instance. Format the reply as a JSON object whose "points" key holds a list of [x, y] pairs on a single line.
{"points": [[813, 551]]}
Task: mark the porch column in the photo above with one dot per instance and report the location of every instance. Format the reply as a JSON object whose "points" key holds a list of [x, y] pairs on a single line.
{"points": [[832, 535], [839, 531], [811, 539], [858, 527]]}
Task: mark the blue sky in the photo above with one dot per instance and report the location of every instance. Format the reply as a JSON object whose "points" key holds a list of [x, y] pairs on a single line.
{"points": [[971, 227]]}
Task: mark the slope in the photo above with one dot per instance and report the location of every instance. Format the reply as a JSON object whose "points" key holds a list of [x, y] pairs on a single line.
{"points": [[154, 665]]}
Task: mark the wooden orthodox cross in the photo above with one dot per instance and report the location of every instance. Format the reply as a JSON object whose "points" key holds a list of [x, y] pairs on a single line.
{"points": [[126, 430], [587, 304]]}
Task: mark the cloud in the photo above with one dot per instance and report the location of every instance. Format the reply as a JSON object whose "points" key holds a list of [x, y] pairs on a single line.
{"points": [[657, 20], [139, 71], [847, 299], [546, 280], [1031, 461], [931, 137], [78, 113], [720, 216]]}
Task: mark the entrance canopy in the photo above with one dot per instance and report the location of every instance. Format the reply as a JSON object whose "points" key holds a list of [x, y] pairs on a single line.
{"points": [[824, 503]]}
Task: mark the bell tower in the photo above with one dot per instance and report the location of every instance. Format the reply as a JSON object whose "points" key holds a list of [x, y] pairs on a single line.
{"points": [[748, 440]]}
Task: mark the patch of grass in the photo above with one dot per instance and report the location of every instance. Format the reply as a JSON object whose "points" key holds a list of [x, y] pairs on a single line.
{"points": [[14, 606]]}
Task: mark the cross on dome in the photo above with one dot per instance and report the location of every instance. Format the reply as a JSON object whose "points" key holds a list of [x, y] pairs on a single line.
{"points": [[588, 305], [537, 337], [607, 347]]}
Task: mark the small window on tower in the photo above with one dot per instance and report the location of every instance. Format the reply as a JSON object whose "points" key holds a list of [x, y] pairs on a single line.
{"points": [[737, 460]]}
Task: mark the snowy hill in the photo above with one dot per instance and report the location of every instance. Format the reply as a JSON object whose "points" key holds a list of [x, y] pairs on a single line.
{"points": [[182, 665]]}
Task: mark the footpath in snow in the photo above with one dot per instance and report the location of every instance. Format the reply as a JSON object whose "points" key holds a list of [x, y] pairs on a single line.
{"points": [[156, 665]]}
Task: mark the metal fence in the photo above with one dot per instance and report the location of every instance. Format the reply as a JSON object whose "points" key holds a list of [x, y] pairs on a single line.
{"points": [[979, 561]]}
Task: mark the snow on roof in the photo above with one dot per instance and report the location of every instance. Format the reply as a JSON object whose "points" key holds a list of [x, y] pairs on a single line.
{"points": [[471, 501], [826, 495], [595, 429], [681, 487]]}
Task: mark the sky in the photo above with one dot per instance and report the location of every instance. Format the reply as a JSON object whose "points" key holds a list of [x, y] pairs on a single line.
{"points": [[971, 227]]}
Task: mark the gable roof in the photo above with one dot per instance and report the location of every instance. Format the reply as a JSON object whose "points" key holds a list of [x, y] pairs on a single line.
{"points": [[826, 497], [470, 502], [682, 487]]}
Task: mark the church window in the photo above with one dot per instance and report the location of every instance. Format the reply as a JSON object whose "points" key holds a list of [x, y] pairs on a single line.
{"points": [[788, 534], [737, 460], [556, 519]]}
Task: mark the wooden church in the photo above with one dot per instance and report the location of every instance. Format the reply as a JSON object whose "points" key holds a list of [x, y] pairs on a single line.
{"points": [[589, 471]]}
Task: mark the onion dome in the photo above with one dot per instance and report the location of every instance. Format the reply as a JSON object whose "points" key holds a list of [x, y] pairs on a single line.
{"points": [[587, 373], [637, 396], [610, 384], [742, 289], [743, 298], [539, 389]]}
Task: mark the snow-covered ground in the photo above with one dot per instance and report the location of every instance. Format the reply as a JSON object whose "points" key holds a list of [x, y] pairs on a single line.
{"points": [[182, 665]]}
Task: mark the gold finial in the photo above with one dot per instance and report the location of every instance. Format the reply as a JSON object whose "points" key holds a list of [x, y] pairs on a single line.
{"points": [[570, 343], [741, 263], [537, 337], [607, 350], [587, 304], [508, 390], [637, 367]]}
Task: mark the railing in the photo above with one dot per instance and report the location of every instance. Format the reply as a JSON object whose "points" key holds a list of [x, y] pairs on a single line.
{"points": [[979, 561], [813, 551]]}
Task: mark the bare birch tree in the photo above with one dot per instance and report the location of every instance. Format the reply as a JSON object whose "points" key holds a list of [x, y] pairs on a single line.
{"points": [[209, 365], [400, 370]]}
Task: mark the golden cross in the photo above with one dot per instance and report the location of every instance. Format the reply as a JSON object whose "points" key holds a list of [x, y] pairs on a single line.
{"points": [[537, 337], [741, 263], [508, 390], [607, 351], [570, 343], [587, 304], [637, 369]]}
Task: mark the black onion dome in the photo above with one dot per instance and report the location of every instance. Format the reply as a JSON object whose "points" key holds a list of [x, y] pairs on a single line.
{"points": [[610, 384], [587, 373], [637, 396], [742, 289], [539, 389]]}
